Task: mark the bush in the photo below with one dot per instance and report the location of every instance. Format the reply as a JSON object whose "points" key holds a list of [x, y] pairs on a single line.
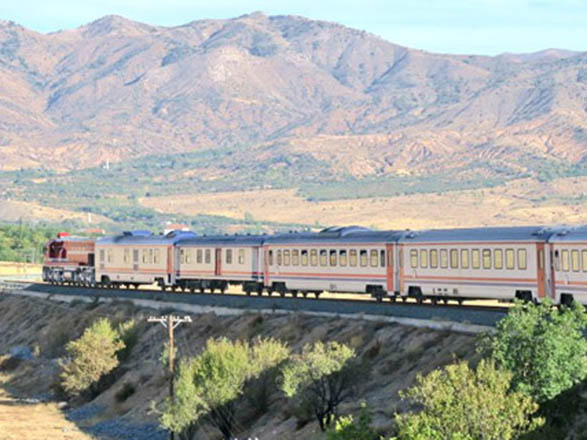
{"points": [[129, 334], [90, 357], [211, 383], [545, 348], [346, 428], [320, 378], [459, 403], [127, 390]]}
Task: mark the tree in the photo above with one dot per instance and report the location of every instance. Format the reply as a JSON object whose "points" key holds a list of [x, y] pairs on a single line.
{"points": [[211, 383], [544, 347], [459, 403], [346, 428], [90, 357], [320, 378]]}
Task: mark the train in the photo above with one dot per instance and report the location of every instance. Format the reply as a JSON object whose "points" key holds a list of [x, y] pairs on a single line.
{"points": [[529, 263]]}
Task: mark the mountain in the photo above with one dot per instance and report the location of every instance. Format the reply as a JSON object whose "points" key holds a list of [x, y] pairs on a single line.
{"points": [[273, 93]]}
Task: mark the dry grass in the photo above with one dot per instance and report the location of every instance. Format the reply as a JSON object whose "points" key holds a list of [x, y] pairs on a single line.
{"points": [[516, 203], [12, 210], [9, 268], [38, 421]]}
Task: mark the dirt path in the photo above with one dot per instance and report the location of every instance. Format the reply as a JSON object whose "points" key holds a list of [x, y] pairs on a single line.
{"points": [[34, 421]]}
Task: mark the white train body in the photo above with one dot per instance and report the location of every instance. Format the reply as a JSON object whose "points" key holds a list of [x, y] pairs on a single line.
{"points": [[568, 274]]}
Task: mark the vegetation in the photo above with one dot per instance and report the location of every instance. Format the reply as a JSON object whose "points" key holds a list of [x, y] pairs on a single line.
{"points": [[90, 357], [459, 403], [23, 243], [347, 428], [210, 384], [544, 347], [320, 378]]}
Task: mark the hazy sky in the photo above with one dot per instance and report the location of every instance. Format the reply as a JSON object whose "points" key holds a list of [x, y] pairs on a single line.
{"points": [[455, 26]]}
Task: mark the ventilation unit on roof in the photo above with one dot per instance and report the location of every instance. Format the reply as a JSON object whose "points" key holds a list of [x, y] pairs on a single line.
{"points": [[341, 231], [138, 233]]}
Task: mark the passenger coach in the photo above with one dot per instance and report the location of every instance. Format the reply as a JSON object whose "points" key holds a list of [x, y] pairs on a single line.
{"points": [[338, 259], [568, 250], [493, 263]]}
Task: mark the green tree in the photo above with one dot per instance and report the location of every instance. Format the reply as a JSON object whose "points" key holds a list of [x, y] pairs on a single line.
{"points": [[90, 357], [320, 378], [346, 428], [459, 403], [211, 383], [543, 346]]}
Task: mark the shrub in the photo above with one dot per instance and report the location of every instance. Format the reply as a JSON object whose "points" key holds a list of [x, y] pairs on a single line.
{"points": [[210, 383], [459, 403], [90, 357], [320, 378], [544, 347], [129, 334], [127, 390], [346, 428]]}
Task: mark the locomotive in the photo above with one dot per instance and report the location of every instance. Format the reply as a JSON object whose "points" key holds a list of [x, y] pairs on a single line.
{"points": [[504, 263]]}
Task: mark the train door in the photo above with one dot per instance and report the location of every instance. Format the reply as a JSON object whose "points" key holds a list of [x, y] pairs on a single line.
{"points": [[135, 259], [541, 270], [390, 269], [266, 261], [218, 262]]}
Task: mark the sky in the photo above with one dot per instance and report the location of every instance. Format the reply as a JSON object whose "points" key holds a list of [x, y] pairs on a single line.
{"points": [[450, 26]]}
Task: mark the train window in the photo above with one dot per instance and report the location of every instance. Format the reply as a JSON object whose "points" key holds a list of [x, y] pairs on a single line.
{"points": [[199, 256], [241, 256], [475, 259], [270, 258], [374, 259], [157, 256], [522, 259], [279, 261], [382, 258], [423, 258], [414, 258], [151, 257], [584, 258], [145, 256], [110, 255], [363, 258], [333, 257], [295, 257], [207, 256], [443, 258], [353, 258], [181, 256], [509, 259], [575, 263], [304, 257], [126, 256], [189, 256], [434, 258], [342, 258], [557, 261], [323, 257], [314, 257], [498, 258], [228, 256], [465, 258], [486, 258], [286, 259], [454, 258], [102, 255]]}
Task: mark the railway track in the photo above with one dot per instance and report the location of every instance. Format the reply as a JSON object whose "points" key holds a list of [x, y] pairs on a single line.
{"points": [[463, 314]]}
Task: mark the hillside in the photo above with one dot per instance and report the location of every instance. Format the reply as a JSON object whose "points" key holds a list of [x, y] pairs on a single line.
{"points": [[259, 102]]}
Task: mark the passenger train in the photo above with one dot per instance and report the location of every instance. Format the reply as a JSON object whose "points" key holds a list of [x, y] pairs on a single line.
{"points": [[503, 263]]}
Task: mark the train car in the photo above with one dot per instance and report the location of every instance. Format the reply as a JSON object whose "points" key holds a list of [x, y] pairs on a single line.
{"points": [[215, 262], [137, 257], [494, 263], [568, 252], [69, 260], [337, 259]]}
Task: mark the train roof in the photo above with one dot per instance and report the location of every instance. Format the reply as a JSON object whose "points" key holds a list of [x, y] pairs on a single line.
{"points": [[343, 234], [488, 234], [145, 237], [570, 234], [224, 240]]}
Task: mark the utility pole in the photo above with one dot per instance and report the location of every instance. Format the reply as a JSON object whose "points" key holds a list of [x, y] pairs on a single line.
{"points": [[170, 322]]}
